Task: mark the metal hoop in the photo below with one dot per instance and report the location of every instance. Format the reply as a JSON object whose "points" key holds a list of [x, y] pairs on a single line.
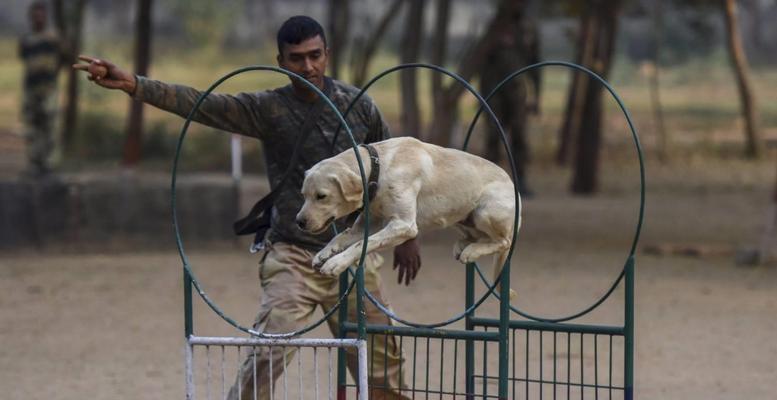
{"points": [[516, 222], [641, 175], [179, 242]]}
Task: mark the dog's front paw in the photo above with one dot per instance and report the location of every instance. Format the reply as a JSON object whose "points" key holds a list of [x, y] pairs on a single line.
{"points": [[318, 262], [320, 259], [324, 255], [335, 265]]}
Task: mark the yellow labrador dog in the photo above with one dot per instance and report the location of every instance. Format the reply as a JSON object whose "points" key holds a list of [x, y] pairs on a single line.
{"points": [[420, 186]]}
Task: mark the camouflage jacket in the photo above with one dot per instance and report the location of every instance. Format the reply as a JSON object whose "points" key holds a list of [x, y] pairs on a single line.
{"points": [[275, 117], [42, 56]]}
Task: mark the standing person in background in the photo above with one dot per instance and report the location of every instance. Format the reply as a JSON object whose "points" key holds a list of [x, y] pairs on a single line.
{"points": [[40, 51], [517, 47]]}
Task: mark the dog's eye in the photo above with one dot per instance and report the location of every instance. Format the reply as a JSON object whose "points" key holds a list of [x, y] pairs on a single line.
{"points": [[320, 196]]}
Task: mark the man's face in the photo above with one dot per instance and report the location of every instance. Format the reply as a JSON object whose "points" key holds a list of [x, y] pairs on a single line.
{"points": [[38, 18], [308, 59]]}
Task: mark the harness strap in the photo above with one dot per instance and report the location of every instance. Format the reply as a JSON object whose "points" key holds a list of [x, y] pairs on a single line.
{"points": [[372, 183], [258, 220]]}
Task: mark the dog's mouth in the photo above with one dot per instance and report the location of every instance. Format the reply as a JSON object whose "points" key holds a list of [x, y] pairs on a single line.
{"points": [[323, 227]]}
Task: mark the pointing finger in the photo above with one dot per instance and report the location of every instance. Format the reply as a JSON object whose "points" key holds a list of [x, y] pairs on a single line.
{"points": [[87, 58]]}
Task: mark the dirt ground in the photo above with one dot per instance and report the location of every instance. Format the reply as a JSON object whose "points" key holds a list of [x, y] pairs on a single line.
{"points": [[110, 325]]}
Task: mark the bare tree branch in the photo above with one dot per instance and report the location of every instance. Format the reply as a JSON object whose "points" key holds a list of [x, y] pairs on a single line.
{"points": [[362, 63], [472, 62]]}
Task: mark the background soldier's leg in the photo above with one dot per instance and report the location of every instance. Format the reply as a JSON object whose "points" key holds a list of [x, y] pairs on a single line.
{"points": [[286, 306], [384, 357], [494, 146], [47, 145], [37, 136], [519, 144]]}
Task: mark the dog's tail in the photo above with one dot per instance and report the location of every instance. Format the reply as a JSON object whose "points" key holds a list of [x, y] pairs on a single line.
{"points": [[499, 263]]}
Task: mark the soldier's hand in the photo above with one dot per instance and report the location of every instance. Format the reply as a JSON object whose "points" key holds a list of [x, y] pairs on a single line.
{"points": [[407, 257], [106, 74]]}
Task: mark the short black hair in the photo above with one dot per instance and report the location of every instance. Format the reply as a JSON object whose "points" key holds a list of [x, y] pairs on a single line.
{"points": [[38, 5], [297, 29]]}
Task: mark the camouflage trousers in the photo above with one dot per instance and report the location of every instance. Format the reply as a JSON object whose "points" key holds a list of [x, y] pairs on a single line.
{"points": [[38, 113], [291, 291]]}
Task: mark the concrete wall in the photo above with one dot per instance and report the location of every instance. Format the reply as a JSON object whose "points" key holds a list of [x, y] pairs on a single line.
{"points": [[120, 210]]}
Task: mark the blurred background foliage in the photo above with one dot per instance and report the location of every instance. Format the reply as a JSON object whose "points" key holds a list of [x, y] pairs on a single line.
{"points": [[196, 41]]}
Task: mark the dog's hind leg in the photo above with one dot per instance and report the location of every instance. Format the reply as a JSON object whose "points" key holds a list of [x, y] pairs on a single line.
{"points": [[494, 219], [469, 235], [499, 264], [481, 248], [480, 236], [491, 223], [488, 246]]}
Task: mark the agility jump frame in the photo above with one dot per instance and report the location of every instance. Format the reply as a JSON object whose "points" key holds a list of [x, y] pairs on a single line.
{"points": [[513, 378]]}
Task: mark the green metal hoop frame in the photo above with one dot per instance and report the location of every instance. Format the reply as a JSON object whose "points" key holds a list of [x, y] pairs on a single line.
{"points": [[503, 323], [342, 117], [638, 147], [491, 286], [483, 106], [189, 276]]}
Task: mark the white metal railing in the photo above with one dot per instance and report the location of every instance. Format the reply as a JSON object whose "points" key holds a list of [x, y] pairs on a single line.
{"points": [[213, 363]]}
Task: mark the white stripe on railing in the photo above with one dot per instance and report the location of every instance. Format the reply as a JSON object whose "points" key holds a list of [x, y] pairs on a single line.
{"points": [[215, 369]]}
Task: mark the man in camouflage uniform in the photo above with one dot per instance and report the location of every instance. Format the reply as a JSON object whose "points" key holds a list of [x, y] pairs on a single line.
{"points": [[517, 46], [40, 52], [291, 287]]}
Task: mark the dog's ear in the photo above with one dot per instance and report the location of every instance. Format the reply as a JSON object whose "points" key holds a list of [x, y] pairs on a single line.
{"points": [[350, 185]]}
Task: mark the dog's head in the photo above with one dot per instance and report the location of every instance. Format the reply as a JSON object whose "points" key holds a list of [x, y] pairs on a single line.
{"points": [[331, 191]]}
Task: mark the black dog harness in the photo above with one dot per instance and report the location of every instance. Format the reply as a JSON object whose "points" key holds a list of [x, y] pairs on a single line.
{"points": [[372, 183]]}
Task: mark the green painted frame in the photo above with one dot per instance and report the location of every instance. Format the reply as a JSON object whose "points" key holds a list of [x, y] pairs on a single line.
{"points": [[470, 335]]}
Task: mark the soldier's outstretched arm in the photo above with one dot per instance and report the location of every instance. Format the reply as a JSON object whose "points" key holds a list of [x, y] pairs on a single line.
{"points": [[236, 114]]}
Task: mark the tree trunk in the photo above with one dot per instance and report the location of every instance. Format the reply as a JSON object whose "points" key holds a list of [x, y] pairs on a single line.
{"points": [[655, 98], [410, 119], [362, 65], [68, 17], [59, 17], [339, 16], [754, 147], [439, 47], [589, 31], [471, 63], [586, 172], [132, 144]]}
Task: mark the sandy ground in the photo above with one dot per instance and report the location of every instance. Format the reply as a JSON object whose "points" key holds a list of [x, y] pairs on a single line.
{"points": [[111, 325]]}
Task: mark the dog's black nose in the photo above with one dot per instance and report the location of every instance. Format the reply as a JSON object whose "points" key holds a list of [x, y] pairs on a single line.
{"points": [[301, 223]]}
